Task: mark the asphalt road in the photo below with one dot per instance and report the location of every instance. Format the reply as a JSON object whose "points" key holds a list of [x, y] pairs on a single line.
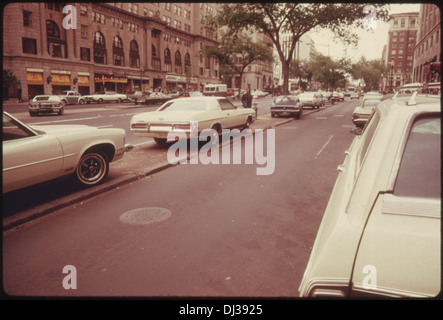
{"points": [[226, 231]]}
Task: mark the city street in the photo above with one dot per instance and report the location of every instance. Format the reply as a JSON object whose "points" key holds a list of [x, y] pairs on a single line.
{"points": [[216, 230]]}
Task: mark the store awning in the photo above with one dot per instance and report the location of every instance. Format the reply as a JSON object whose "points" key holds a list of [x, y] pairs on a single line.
{"points": [[83, 81], [34, 78], [110, 78], [60, 80]]}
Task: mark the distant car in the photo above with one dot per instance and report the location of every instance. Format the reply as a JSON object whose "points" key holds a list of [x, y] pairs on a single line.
{"points": [[364, 110], [310, 99], [46, 104], [153, 98], [216, 113], [342, 96], [133, 96], [354, 95], [35, 154], [380, 235], [105, 96], [259, 94], [335, 97], [286, 106], [188, 94], [72, 97]]}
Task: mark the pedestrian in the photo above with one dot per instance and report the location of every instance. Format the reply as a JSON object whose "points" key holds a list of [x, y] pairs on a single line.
{"points": [[19, 93], [246, 99]]}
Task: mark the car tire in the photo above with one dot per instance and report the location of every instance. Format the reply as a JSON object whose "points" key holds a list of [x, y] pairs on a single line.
{"points": [[92, 168], [248, 123], [119, 100], [33, 114], [61, 111], [81, 101], [216, 131], [100, 100]]}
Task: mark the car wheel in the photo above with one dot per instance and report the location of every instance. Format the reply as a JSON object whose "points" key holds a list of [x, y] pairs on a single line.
{"points": [[33, 114], [160, 141], [248, 123], [81, 101], [216, 131], [92, 168], [100, 100], [119, 100], [61, 111]]}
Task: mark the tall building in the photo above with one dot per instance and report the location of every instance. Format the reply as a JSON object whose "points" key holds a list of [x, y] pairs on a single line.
{"points": [[400, 50], [107, 46], [427, 56]]}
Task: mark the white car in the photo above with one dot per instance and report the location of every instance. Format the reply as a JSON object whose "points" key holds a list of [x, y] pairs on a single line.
{"points": [[210, 112], [105, 96], [363, 111], [35, 154], [310, 99], [380, 235], [259, 94], [46, 104]]}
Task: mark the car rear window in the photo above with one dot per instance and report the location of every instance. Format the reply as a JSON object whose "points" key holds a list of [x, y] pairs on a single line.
{"points": [[419, 173], [286, 101], [185, 105]]}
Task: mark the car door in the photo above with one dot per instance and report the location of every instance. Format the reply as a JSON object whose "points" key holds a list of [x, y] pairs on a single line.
{"points": [[232, 118], [29, 157], [400, 250]]}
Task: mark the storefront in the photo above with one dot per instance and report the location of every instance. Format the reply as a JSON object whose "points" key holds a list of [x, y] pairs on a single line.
{"points": [[34, 79], [178, 83], [83, 83], [137, 83], [61, 81], [106, 82]]}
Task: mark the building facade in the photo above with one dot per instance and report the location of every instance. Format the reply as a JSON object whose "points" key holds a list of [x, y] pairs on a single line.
{"points": [[399, 57], [121, 47], [427, 55]]}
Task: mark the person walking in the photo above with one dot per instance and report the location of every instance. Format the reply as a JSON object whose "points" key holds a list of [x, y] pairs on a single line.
{"points": [[19, 93], [246, 99]]}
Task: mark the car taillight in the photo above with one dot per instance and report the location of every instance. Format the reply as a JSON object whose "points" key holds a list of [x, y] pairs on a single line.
{"points": [[139, 126]]}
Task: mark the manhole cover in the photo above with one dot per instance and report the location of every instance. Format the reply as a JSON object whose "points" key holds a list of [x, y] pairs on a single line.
{"points": [[145, 215]]}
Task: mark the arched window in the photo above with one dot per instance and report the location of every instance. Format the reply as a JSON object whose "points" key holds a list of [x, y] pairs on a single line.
{"points": [[168, 60], [56, 46], [134, 56], [99, 46], [155, 61], [187, 60], [178, 62], [118, 56]]}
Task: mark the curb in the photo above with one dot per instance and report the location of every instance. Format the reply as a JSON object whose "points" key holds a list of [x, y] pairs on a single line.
{"points": [[16, 220]]}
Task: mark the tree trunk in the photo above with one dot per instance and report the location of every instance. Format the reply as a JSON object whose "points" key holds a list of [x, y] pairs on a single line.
{"points": [[285, 71]]}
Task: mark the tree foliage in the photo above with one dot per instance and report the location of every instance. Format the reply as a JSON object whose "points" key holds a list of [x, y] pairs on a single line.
{"points": [[274, 19], [370, 71]]}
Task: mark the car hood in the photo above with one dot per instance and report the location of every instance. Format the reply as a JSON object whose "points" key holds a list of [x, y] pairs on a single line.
{"points": [[63, 129], [363, 110], [167, 116]]}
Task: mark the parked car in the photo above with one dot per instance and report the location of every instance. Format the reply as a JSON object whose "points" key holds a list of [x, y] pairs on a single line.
{"points": [[286, 106], [72, 97], [154, 98], [363, 111], [105, 96], [210, 112], [259, 94], [342, 96], [35, 154], [335, 97], [133, 96], [380, 235], [46, 104], [310, 99]]}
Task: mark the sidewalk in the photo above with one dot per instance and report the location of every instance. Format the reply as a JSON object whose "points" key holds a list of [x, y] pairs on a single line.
{"points": [[141, 162]]}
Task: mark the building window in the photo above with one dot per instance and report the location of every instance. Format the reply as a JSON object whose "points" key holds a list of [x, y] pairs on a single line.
{"points": [[29, 45], [168, 60], [27, 18], [56, 46], [85, 54], [187, 60], [134, 56], [83, 10], [99, 48], [178, 62], [117, 52], [402, 23], [84, 31]]}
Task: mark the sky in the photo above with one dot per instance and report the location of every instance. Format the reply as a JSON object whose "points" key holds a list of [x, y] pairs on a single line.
{"points": [[371, 41]]}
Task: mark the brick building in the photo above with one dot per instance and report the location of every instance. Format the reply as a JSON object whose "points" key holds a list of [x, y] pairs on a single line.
{"points": [[114, 46], [427, 57], [399, 55]]}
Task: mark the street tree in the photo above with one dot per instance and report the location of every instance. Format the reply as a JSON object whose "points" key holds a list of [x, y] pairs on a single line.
{"points": [[301, 70], [236, 52], [275, 19], [369, 71], [330, 73]]}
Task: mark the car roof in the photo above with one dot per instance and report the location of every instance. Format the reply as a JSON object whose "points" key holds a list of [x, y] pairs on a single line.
{"points": [[421, 103]]}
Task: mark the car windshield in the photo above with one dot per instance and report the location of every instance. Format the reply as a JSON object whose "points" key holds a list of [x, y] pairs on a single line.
{"points": [[185, 105], [419, 174], [286, 100], [47, 98], [371, 103]]}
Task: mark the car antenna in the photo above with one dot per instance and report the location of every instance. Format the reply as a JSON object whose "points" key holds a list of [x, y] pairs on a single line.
{"points": [[412, 101]]}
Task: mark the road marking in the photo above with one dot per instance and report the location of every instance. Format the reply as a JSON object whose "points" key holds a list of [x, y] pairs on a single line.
{"points": [[324, 146], [347, 126], [339, 115], [321, 118], [289, 128], [143, 143]]}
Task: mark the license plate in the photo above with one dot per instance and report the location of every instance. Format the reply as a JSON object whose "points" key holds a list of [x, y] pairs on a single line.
{"points": [[285, 113]]}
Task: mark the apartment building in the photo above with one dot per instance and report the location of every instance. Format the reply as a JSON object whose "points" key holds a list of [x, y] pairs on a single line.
{"points": [[111, 46], [403, 28], [427, 55]]}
